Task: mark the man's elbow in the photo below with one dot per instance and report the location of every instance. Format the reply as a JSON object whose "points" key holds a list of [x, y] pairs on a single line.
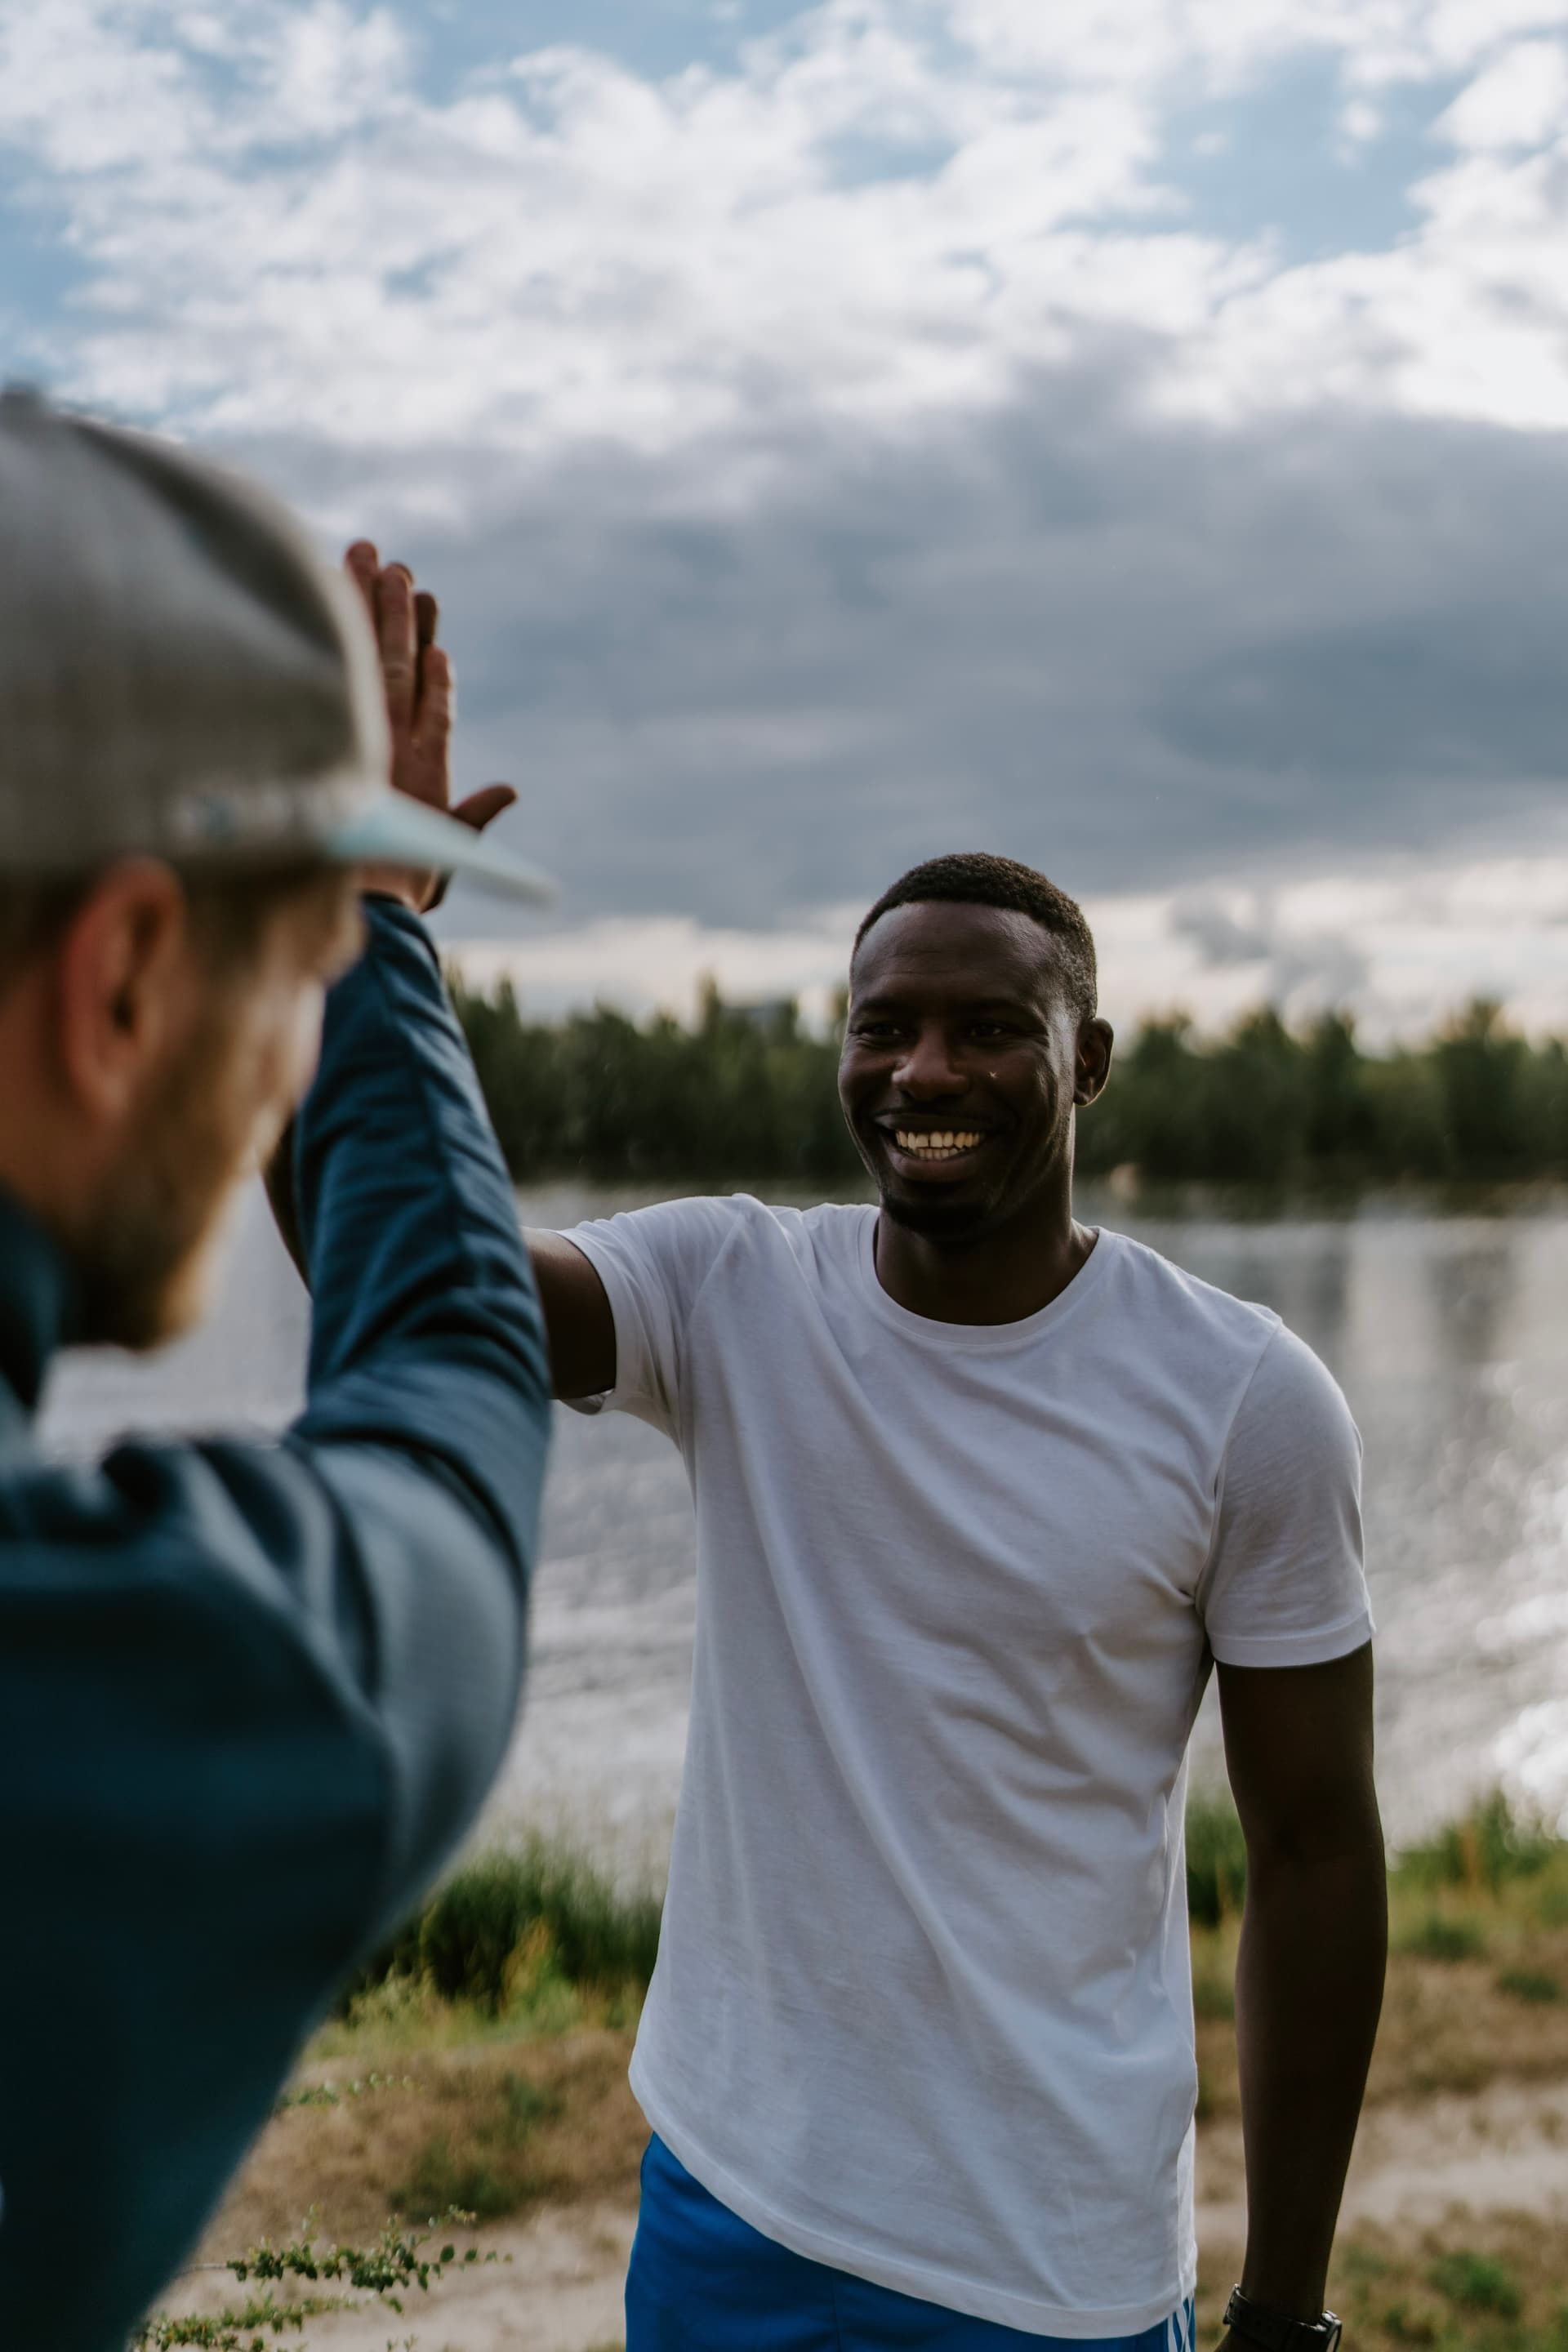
{"points": [[1339, 1847]]}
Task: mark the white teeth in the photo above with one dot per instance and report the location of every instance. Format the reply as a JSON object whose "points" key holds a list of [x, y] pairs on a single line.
{"points": [[947, 1145]]}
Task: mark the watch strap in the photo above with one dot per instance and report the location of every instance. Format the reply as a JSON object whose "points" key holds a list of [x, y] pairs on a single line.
{"points": [[1278, 2331]]}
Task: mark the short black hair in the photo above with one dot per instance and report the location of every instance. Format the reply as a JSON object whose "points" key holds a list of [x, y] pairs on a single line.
{"points": [[975, 879]]}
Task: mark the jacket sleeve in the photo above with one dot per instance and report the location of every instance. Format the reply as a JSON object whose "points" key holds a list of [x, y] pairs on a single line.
{"points": [[426, 1418], [253, 1693]]}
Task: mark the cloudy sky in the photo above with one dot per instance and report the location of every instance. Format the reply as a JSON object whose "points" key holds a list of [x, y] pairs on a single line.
{"points": [[1129, 434]]}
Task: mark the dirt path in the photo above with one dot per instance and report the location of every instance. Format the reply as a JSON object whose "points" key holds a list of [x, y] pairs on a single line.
{"points": [[559, 2284], [1500, 2150]]}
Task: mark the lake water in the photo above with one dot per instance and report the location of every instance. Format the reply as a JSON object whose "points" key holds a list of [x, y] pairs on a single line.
{"points": [[1450, 1334]]}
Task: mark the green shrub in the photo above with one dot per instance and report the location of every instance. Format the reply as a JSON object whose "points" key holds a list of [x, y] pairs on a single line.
{"points": [[1439, 1939], [1529, 1984], [536, 1916], [476, 1927], [1477, 2282], [442, 2176], [1216, 1861]]}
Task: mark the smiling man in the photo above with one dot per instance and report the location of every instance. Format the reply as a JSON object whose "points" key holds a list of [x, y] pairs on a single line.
{"points": [[982, 1493]]}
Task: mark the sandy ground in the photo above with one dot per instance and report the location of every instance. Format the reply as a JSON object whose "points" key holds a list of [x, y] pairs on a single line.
{"points": [[1500, 2150], [558, 2285]]}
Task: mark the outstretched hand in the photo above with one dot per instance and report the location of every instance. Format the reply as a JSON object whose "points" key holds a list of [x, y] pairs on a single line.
{"points": [[418, 678]]}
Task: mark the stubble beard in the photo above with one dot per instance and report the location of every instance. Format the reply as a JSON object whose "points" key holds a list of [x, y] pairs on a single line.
{"points": [[953, 1223], [139, 1260]]}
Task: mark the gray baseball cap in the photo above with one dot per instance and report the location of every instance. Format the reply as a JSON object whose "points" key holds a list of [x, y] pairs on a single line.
{"points": [[181, 675]]}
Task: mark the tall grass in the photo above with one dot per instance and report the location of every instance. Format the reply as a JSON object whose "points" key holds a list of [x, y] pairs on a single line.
{"points": [[538, 1913], [1487, 1851], [1488, 1847], [546, 1911]]}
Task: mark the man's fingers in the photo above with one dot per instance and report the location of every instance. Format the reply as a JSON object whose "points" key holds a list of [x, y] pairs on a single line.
{"points": [[482, 807], [476, 812], [433, 706], [395, 628], [436, 698], [362, 565]]}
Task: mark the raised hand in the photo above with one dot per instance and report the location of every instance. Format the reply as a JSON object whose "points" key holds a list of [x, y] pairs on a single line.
{"points": [[419, 708]]}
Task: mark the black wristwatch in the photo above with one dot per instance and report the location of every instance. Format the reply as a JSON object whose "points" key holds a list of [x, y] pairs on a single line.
{"points": [[1276, 2331]]}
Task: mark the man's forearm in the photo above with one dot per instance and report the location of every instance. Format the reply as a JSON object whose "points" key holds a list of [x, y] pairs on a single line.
{"points": [[426, 1330], [1308, 1990]]}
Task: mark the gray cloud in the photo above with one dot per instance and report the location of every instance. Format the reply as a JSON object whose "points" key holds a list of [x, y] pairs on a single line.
{"points": [[1220, 938], [1140, 655], [1303, 968]]}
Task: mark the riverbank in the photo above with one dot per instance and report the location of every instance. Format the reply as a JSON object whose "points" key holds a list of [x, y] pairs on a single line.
{"points": [[482, 2067]]}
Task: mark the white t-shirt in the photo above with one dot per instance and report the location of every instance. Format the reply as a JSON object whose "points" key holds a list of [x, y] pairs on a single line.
{"points": [[923, 2007]]}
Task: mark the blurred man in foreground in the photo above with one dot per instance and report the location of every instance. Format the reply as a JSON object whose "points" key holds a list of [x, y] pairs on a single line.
{"points": [[982, 1494], [249, 1695]]}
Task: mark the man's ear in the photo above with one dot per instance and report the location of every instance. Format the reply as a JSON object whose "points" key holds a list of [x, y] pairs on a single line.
{"points": [[122, 986], [1092, 1067]]}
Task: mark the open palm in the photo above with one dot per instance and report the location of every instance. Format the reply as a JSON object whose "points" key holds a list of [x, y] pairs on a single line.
{"points": [[420, 707]]}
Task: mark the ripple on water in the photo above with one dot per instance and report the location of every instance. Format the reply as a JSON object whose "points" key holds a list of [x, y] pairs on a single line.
{"points": [[1449, 1335]]}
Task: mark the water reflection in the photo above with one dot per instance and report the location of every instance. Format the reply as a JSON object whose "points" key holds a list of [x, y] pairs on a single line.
{"points": [[1449, 1335]]}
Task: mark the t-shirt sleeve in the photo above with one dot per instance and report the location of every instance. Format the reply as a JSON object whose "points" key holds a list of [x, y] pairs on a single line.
{"points": [[1285, 1584], [653, 1264]]}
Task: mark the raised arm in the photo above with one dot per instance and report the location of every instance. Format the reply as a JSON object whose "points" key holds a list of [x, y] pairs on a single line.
{"points": [[1297, 1742], [427, 1411], [576, 1316]]}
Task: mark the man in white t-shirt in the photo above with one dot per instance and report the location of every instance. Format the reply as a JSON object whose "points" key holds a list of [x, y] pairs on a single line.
{"points": [[981, 1494]]}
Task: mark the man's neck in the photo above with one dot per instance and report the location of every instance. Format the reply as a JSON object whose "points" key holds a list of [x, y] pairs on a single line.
{"points": [[1000, 1275]]}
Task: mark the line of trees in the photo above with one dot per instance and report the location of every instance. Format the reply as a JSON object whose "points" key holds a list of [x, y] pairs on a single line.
{"points": [[744, 1093]]}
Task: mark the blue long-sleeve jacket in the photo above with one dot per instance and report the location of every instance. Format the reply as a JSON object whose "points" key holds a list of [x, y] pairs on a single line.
{"points": [[251, 1695]]}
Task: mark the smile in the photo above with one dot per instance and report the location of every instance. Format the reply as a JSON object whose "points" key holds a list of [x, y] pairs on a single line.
{"points": [[946, 1144]]}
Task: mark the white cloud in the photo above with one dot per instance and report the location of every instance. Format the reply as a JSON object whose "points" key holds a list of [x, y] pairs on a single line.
{"points": [[660, 964], [899, 229], [1520, 100], [1360, 124], [283, 234]]}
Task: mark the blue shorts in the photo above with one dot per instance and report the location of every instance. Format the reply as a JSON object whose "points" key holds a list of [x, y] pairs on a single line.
{"points": [[702, 2280]]}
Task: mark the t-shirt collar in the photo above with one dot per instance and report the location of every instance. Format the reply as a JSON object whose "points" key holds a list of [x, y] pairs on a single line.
{"points": [[983, 1337]]}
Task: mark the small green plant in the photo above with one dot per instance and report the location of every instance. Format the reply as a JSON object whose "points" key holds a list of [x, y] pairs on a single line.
{"points": [[439, 2170], [1213, 1977], [480, 2169], [1410, 2322], [1530, 1984], [337, 2094], [1216, 1861], [394, 2261], [244, 2329], [1437, 1938], [1477, 2282], [525, 2105], [1487, 1847]]}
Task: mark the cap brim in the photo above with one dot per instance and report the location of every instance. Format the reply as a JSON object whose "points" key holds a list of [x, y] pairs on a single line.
{"points": [[397, 831]]}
